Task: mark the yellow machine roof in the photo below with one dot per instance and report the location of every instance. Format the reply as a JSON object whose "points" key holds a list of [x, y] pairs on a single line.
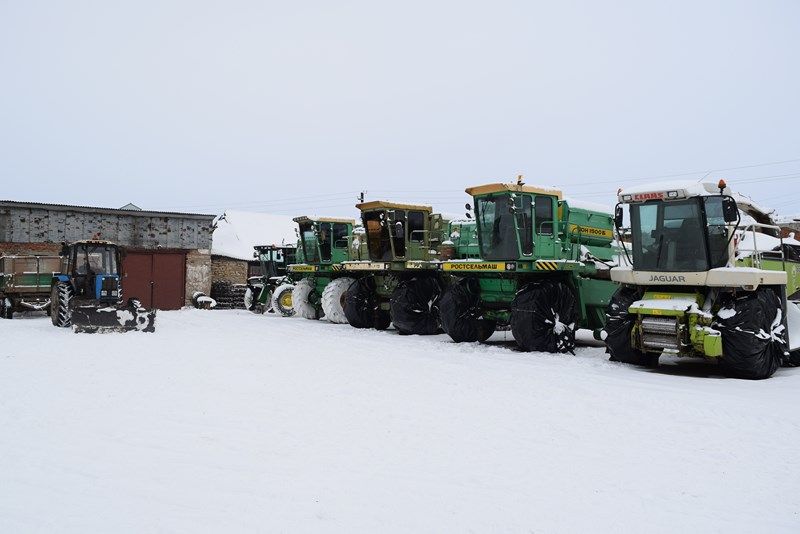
{"points": [[381, 204], [306, 218], [511, 188]]}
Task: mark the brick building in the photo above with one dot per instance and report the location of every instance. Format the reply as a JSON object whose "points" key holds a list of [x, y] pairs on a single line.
{"points": [[167, 255]]}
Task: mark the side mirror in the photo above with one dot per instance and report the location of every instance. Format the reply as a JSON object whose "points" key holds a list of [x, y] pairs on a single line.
{"points": [[64, 249], [469, 216], [618, 215], [468, 206], [730, 212]]}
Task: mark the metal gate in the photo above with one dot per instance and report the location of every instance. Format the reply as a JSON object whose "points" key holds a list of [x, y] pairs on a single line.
{"points": [[157, 279]]}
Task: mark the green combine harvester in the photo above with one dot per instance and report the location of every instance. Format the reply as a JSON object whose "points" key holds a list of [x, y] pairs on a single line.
{"points": [[25, 283], [399, 281], [703, 282], [543, 269], [318, 282]]}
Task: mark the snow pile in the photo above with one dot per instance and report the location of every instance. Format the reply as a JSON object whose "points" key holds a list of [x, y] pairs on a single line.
{"points": [[195, 429], [237, 232]]}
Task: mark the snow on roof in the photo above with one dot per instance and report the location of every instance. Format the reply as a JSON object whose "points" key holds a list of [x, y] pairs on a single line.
{"points": [[690, 188], [751, 241], [237, 232]]}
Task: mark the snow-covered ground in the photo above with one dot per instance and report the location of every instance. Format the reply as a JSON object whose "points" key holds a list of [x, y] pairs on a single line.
{"points": [[231, 422]]}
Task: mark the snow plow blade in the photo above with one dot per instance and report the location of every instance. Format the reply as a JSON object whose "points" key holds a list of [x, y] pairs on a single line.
{"points": [[122, 318]]}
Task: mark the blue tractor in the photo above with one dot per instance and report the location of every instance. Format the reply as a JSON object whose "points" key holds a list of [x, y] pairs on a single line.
{"points": [[87, 292]]}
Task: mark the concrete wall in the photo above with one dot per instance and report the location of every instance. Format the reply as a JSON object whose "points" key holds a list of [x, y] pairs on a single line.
{"points": [[32, 224], [228, 270], [198, 273]]}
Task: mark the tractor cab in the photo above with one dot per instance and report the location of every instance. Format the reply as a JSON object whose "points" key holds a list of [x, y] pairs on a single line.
{"points": [[93, 267], [515, 221], [274, 259], [325, 240], [401, 232]]}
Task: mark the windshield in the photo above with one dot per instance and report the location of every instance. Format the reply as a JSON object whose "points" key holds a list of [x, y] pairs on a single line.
{"points": [[673, 236], [496, 231], [96, 259], [378, 241], [308, 238]]}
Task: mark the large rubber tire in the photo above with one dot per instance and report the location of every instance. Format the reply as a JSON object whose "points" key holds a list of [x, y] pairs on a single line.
{"points": [[361, 304], [753, 337], [302, 303], [619, 324], [333, 299], [60, 296], [251, 295], [414, 306], [282, 300], [461, 315], [544, 316]]}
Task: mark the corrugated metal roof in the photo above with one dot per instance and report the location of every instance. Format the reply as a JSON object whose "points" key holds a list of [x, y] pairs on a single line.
{"points": [[95, 209]]}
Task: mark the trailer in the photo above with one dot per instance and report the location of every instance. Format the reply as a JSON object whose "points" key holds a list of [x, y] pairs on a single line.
{"points": [[25, 283]]}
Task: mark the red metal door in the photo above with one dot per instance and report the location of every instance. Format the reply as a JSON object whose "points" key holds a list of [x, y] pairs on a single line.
{"points": [[169, 280], [137, 270]]}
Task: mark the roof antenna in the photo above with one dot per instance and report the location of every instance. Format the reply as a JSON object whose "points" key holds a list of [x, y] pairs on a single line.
{"points": [[519, 180]]}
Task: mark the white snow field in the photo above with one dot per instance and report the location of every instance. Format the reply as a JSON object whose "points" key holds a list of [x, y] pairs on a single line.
{"points": [[224, 421]]}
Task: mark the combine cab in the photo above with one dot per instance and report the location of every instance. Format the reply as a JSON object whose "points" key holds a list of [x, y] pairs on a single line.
{"points": [[87, 295], [399, 281], [543, 270], [700, 282]]}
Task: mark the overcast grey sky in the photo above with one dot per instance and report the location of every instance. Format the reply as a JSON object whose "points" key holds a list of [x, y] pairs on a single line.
{"points": [[201, 106]]}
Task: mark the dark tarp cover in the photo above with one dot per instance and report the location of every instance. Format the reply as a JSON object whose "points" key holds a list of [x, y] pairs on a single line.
{"points": [[360, 303], [460, 313], [753, 337], [543, 317], [619, 323], [413, 306]]}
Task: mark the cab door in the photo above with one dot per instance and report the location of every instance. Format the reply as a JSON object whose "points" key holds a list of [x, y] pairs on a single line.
{"points": [[544, 226]]}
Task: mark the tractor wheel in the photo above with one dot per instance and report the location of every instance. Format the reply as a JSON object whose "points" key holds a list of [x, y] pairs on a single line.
{"points": [[251, 296], [414, 306], [281, 301], [753, 336], [60, 296], [302, 302], [617, 332], [460, 313], [333, 299], [361, 304], [543, 317]]}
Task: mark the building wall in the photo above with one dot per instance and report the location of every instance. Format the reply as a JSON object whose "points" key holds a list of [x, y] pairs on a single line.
{"points": [[228, 270], [198, 273], [21, 224]]}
